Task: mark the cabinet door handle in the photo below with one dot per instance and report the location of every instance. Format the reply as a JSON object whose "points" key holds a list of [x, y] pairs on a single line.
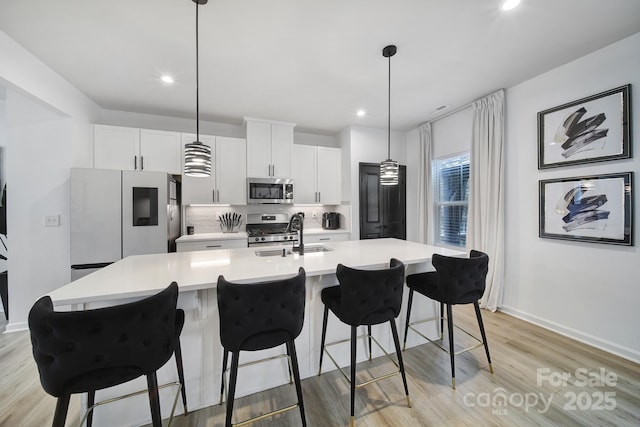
{"points": [[135, 162], [213, 196], [214, 246], [218, 195], [319, 197], [141, 163], [325, 238]]}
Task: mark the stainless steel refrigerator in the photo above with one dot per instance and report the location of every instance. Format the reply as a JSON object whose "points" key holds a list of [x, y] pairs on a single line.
{"points": [[115, 214]]}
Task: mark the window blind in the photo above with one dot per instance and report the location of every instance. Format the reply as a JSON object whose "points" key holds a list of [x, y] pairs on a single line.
{"points": [[451, 198]]}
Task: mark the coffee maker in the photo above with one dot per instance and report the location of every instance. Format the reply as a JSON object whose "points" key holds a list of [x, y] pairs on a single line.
{"points": [[330, 220]]}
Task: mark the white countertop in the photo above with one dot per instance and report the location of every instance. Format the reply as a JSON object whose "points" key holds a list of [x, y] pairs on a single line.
{"points": [[240, 235], [143, 275]]}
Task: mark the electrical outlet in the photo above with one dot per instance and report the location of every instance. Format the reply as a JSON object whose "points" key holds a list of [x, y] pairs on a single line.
{"points": [[52, 220]]}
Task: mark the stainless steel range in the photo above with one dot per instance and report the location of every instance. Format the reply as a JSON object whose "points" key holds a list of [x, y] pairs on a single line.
{"points": [[270, 230]]}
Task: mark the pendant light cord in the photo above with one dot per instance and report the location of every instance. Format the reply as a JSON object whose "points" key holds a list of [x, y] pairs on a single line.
{"points": [[197, 81], [389, 116]]}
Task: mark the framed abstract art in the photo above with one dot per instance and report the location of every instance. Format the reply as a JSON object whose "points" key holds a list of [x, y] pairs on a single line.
{"points": [[592, 129]]}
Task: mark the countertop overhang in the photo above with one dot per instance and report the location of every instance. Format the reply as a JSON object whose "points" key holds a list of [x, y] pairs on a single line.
{"points": [[143, 275]]}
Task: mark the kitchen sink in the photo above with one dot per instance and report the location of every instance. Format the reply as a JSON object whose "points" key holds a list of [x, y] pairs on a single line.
{"points": [[316, 248], [273, 252], [278, 252]]}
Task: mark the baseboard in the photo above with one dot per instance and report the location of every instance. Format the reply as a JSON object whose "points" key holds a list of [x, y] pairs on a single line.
{"points": [[608, 346], [16, 327]]}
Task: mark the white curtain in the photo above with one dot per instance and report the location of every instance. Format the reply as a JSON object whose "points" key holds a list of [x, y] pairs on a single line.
{"points": [[425, 187], [485, 224]]}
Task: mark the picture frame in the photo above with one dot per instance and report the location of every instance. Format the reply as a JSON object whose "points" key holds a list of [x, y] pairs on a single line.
{"points": [[595, 208], [592, 129]]}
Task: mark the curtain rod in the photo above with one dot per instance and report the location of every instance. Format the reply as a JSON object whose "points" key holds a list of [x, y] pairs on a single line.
{"points": [[462, 107]]}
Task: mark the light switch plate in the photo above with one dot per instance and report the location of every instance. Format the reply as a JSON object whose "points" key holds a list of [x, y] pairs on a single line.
{"points": [[52, 220]]}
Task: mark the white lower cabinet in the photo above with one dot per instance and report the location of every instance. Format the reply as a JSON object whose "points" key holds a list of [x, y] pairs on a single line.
{"points": [[228, 180], [207, 245]]}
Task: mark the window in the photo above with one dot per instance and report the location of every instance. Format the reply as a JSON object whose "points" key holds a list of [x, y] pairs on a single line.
{"points": [[451, 199]]}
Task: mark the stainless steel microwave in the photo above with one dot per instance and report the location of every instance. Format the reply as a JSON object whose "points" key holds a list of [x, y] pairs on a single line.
{"points": [[269, 190]]}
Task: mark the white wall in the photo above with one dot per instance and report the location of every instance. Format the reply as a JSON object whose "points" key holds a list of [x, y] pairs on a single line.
{"points": [[585, 290], [413, 169], [452, 134], [315, 139], [47, 133], [174, 124]]}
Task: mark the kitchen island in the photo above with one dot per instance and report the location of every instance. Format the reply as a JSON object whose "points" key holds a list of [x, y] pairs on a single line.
{"points": [[196, 274]]}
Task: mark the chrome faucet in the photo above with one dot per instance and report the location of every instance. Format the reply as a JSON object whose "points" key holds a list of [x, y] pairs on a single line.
{"points": [[297, 221]]}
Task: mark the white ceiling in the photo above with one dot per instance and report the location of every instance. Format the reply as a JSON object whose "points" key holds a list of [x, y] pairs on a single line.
{"points": [[314, 63]]}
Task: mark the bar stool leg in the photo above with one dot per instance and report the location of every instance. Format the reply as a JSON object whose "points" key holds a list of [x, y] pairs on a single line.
{"points": [[289, 364], [183, 390], [369, 335], [354, 334], [233, 376], [91, 400], [154, 399], [441, 319], [406, 323], [396, 341], [225, 360], [451, 351], [324, 334], [484, 336], [62, 406], [291, 349]]}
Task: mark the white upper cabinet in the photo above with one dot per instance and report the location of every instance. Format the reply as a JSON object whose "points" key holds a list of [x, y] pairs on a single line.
{"points": [[116, 147], [329, 172], [231, 170], [304, 174], [269, 148], [317, 175], [228, 180], [160, 151], [124, 148]]}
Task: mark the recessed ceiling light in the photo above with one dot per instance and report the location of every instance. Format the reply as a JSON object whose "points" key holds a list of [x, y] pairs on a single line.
{"points": [[361, 113], [510, 4], [167, 79]]}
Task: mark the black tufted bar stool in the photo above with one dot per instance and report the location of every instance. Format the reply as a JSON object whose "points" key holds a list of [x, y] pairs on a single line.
{"points": [[365, 297], [85, 351], [259, 316], [455, 281]]}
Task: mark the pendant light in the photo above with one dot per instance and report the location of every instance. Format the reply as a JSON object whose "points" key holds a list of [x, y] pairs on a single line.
{"points": [[197, 156], [389, 168]]}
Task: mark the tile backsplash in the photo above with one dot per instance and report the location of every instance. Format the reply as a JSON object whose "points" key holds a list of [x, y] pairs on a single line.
{"points": [[204, 219]]}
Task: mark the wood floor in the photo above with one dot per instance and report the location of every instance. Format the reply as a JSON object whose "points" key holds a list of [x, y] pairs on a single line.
{"points": [[526, 389]]}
